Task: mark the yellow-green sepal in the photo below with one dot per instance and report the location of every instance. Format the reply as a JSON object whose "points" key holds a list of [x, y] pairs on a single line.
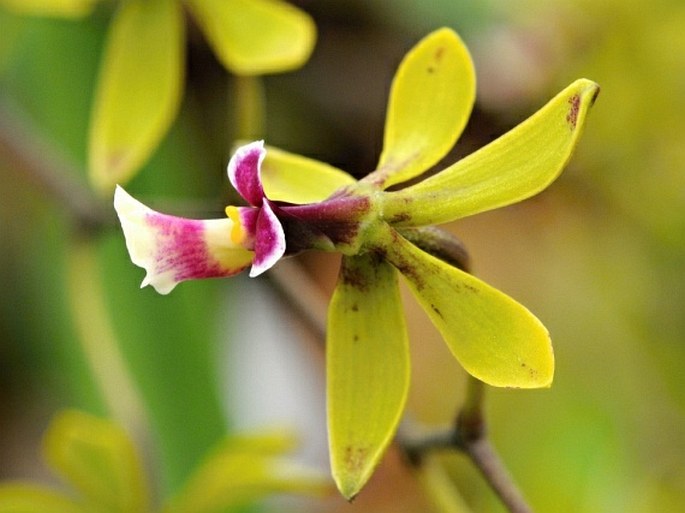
{"points": [[521, 163], [439, 487], [139, 89], [58, 8], [367, 367], [495, 338], [29, 498], [98, 459], [297, 179], [243, 469], [430, 102], [253, 37]]}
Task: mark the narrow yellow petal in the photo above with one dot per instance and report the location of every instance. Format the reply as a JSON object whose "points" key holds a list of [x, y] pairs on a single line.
{"points": [[138, 91], [521, 163], [253, 37], [30, 498], [296, 179], [367, 367], [496, 339], [430, 102], [97, 457]]}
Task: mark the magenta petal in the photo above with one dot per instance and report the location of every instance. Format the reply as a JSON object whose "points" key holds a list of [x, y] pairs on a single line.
{"points": [[244, 172], [269, 244]]}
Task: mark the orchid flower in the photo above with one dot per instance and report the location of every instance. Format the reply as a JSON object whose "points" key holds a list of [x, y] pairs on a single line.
{"points": [[298, 204], [105, 473]]}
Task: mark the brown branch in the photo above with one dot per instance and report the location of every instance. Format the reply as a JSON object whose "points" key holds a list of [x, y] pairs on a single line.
{"points": [[36, 159], [469, 435]]}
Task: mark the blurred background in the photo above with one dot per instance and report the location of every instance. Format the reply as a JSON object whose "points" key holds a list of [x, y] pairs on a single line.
{"points": [[598, 257]]}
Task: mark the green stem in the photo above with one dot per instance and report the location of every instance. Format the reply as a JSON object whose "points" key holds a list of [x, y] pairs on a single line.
{"points": [[250, 108], [98, 340]]}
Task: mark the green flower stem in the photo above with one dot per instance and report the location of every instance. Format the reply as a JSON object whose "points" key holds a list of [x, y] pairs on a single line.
{"points": [[98, 340], [250, 107]]}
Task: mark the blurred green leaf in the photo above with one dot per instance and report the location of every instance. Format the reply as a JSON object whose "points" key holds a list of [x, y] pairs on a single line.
{"points": [[29, 498], [66, 8]]}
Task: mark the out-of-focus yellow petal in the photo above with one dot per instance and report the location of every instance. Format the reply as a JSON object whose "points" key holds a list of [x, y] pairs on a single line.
{"points": [[521, 163], [98, 459], [65, 8], [253, 37], [174, 249], [367, 367], [440, 489], [243, 469], [296, 179], [138, 91], [430, 102], [29, 498], [496, 339]]}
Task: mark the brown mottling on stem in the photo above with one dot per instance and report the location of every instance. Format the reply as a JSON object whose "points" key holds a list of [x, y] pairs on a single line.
{"points": [[357, 274], [354, 307], [572, 116], [400, 217]]}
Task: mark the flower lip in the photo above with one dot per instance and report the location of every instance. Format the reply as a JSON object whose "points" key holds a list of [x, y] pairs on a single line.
{"points": [[174, 249], [244, 172]]}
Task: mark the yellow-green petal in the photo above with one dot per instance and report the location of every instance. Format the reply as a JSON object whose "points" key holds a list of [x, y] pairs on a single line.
{"points": [[29, 498], [521, 163], [139, 89], [296, 179], [97, 457], [430, 102], [65, 8], [243, 469], [367, 367], [253, 37], [496, 339]]}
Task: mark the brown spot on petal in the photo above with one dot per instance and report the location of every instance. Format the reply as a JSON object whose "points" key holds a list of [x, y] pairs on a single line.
{"points": [[572, 116], [355, 457], [439, 52]]}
